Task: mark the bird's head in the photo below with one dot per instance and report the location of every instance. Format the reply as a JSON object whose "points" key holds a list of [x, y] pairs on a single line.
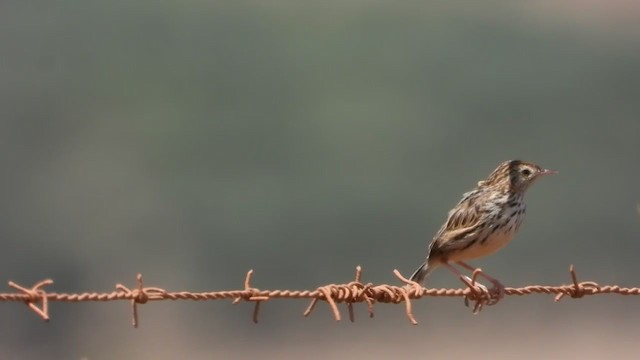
{"points": [[515, 175]]}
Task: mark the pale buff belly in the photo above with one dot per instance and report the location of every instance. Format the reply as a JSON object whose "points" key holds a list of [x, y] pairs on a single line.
{"points": [[491, 245]]}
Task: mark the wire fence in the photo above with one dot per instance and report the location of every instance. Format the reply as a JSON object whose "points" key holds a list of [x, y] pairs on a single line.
{"points": [[476, 294]]}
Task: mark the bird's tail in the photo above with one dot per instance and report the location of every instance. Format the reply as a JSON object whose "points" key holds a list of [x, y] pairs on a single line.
{"points": [[421, 273]]}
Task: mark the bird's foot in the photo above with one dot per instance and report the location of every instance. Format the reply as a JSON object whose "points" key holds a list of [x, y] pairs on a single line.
{"points": [[483, 294], [497, 292]]}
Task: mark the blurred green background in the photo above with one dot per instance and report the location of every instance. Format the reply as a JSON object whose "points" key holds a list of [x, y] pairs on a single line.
{"points": [[191, 141]]}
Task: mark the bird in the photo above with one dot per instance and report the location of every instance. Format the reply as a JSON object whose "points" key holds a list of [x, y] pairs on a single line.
{"points": [[485, 220]]}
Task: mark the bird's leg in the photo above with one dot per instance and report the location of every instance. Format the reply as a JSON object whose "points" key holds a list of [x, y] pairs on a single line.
{"points": [[497, 289], [457, 272], [470, 281]]}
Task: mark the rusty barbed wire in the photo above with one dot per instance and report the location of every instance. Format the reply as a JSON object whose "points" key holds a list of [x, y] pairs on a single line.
{"points": [[38, 299]]}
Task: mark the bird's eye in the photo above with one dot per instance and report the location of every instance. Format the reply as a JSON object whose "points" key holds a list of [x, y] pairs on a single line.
{"points": [[526, 172]]}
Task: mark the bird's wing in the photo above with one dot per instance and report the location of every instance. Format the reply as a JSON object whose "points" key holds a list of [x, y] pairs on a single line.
{"points": [[461, 226]]}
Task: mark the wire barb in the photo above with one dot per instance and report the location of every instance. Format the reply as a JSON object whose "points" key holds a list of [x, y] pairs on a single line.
{"points": [[35, 294], [250, 294], [326, 295], [137, 296], [475, 292], [579, 289], [410, 285], [355, 284]]}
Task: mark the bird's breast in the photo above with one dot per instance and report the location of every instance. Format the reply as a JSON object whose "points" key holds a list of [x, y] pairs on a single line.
{"points": [[493, 243], [490, 240]]}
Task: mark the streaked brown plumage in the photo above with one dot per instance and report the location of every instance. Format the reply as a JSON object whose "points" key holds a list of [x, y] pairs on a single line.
{"points": [[484, 221]]}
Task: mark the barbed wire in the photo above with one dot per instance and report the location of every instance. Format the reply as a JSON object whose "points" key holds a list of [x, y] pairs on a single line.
{"points": [[37, 299]]}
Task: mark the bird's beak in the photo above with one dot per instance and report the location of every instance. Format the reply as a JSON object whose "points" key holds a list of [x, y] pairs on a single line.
{"points": [[548, 172]]}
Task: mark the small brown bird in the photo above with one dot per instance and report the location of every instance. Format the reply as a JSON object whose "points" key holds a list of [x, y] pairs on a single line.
{"points": [[484, 221]]}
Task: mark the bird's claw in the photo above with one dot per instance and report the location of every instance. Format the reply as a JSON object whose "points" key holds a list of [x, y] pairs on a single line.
{"points": [[496, 292]]}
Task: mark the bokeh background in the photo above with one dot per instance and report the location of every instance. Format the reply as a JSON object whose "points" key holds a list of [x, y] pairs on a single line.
{"points": [[191, 141]]}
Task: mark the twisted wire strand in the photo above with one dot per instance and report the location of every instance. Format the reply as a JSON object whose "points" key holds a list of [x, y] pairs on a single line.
{"points": [[37, 299]]}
